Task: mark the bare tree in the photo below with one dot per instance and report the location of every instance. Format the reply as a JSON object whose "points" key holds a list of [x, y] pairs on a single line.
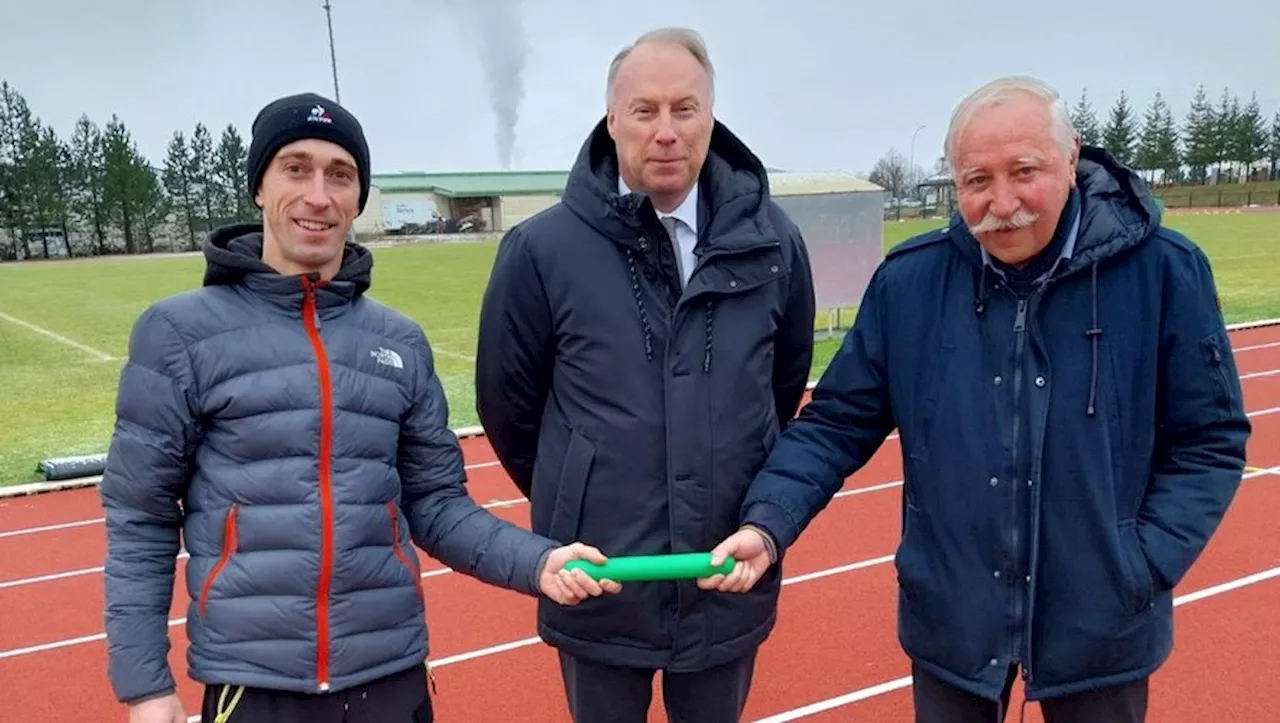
{"points": [[891, 173]]}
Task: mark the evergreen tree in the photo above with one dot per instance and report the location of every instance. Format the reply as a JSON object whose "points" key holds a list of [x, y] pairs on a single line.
{"points": [[1200, 134], [179, 183], [1158, 146], [1273, 148], [231, 171], [1085, 122], [1226, 120], [1119, 136], [88, 175], [1247, 143]]}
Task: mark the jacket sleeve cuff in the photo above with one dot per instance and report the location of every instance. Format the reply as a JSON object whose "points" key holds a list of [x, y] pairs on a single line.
{"points": [[770, 544], [540, 562], [139, 699], [775, 522]]}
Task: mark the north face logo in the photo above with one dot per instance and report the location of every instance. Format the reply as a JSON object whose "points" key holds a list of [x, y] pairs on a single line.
{"points": [[388, 357]]}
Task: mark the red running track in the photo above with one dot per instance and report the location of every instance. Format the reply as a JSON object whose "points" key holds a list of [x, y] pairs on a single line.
{"points": [[833, 657]]}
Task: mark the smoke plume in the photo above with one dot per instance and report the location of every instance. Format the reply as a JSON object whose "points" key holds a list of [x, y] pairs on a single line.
{"points": [[498, 31]]}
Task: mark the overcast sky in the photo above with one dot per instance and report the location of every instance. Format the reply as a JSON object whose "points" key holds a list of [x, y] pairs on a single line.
{"points": [[809, 84]]}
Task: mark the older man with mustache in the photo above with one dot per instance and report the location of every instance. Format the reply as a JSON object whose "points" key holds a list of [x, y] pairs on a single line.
{"points": [[1071, 423]]}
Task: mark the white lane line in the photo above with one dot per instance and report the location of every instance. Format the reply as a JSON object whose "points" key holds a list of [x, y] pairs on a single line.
{"points": [[1255, 347], [98, 520], [899, 683], [454, 354], [1256, 375], [50, 528], [68, 643], [846, 699], [95, 353], [68, 574]]}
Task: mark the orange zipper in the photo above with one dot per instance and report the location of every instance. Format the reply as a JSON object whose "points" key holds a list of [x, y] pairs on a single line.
{"points": [[228, 548], [400, 553], [311, 318]]}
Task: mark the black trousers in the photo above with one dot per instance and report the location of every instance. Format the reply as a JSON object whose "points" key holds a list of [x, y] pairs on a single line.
{"points": [[397, 698], [939, 702], [599, 693]]}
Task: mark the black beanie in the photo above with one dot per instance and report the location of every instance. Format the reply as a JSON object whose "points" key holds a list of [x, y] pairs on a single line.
{"points": [[306, 115]]}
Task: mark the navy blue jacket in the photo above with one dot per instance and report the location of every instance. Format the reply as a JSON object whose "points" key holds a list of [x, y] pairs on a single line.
{"points": [[633, 413], [1120, 372]]}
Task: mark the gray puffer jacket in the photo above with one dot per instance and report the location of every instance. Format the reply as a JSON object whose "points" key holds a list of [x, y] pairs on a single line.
{"points": [[295, 433]]}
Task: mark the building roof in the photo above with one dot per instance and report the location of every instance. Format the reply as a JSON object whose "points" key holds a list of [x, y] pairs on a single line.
{"points": [[795, 183], [474, 185], [513, 183]]}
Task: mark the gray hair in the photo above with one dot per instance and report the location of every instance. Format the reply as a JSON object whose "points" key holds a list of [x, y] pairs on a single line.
{"points": [[685, 38], [1001, 90]]}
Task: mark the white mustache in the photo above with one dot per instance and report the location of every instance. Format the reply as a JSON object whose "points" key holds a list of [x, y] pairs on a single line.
{"points": [[1022, 218]]}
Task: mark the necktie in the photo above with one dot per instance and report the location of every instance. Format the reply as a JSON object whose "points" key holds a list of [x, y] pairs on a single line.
{"points": [[670, 223]]}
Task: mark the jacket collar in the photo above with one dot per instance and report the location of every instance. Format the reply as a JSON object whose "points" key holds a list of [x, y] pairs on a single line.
{"points": [[686, 212], [733, 196], [233, 257]]}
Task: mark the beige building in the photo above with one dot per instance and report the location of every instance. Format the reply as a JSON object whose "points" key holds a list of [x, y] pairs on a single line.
{"points": [[486, 202], [494, 201]]}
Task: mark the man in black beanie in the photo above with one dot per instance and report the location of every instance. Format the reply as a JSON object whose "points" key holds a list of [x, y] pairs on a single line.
{"points": [[293, 433], [310, 212]]}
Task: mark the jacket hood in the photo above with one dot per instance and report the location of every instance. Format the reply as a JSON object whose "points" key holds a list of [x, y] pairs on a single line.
{"points": [[1117, 210], [233, 255], [733, 192]]}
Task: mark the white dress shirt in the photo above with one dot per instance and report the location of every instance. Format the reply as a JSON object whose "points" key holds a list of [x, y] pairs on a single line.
{"points": [[682, 226]]}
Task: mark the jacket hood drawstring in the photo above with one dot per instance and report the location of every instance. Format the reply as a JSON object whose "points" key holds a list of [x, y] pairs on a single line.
{"points": [[647, 329], [644, 315], [1093, 333]]}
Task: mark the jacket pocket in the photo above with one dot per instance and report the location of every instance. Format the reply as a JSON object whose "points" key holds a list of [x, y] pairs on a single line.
{"points": [[906, 559], [228, 549], [1216, 348], [566, 517], [393, 515], [1139, 584]]}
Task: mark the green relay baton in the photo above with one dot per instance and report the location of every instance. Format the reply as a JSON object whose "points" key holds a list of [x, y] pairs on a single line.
{"points": [[680, 566]]}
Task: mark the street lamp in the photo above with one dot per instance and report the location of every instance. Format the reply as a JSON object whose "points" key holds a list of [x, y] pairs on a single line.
{"points": [[911, 159], [333, 58]]}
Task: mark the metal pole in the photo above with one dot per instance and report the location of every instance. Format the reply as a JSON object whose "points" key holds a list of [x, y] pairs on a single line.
{"points": [[911, 159], [333, 58]]}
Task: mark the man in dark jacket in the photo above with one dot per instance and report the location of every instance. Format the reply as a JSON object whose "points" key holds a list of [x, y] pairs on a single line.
{"points": [[293, 431], [1070, 416], [641, 343]]}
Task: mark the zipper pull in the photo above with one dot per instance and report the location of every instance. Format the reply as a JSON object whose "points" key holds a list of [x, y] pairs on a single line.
{"points": [[1020, 323], [309, 290]]}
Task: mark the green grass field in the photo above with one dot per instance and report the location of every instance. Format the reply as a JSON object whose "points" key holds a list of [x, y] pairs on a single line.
{"points": [[59, 394]]}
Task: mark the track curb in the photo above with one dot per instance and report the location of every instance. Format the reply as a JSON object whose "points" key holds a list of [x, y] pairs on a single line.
{"points": [[36, 488]]}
